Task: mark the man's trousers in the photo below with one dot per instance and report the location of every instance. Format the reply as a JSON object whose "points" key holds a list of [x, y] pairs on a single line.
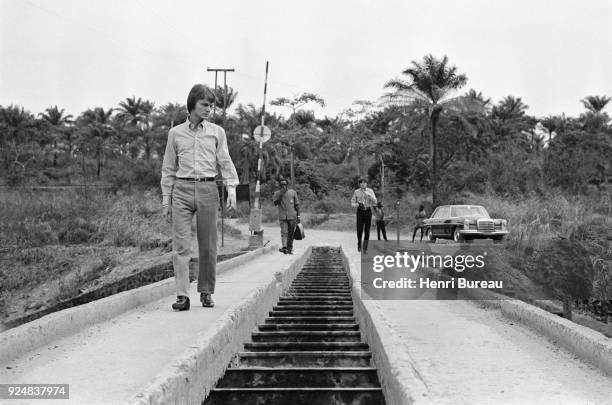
{"points": [[287, 228], [201, 199], [364, 220]]}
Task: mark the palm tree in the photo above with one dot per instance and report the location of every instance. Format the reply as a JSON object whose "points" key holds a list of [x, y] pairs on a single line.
{"points": [[101, 143], [249, 116], [96, 135], [16, 124], [429, 85], [221, 101], [595, 119], [134, 110], [303, 118], [595, 103], [171, 114], [136, 114], [510, 108], [58, 123]]}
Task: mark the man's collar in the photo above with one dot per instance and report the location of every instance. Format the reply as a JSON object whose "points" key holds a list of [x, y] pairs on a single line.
{"points": [[191, 126]]}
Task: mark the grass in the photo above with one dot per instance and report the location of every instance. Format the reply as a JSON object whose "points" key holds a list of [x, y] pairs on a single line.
{"points": [[35, 219], [52, 244], [47, 235]]}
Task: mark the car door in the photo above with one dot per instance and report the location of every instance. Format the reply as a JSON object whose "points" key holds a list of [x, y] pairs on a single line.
{"points": [[437, 226], [444, 227]]}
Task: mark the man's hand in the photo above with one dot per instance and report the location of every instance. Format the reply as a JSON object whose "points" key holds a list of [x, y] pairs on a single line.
{"points": [[231, 197], [167, 212]]}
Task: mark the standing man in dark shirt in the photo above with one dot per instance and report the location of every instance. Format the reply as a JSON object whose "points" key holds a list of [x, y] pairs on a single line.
{"points": [[363, 199], [286, 199], [194, 150]]}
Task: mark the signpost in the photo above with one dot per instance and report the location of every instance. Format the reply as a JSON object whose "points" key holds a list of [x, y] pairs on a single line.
{"points": [[261, 134]]}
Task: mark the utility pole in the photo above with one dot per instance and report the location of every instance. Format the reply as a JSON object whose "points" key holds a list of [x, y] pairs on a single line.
{"points": [[224, 70], [214, 110]]}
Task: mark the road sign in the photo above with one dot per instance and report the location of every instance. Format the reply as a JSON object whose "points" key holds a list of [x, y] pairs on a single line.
{"points": [[262, 136]]}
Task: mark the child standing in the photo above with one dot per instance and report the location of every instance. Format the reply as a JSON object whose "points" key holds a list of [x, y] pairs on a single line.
{"points": [[420, 224], [379, 215]]}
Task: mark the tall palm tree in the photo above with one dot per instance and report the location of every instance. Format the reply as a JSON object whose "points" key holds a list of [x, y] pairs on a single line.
{"points": [[58, 121], [16, 124], [134, 110], [137, 115], [510, 108], [595, 104], [595, 119], [221, 101], [429, 85], [96, 135], [171, 114]]}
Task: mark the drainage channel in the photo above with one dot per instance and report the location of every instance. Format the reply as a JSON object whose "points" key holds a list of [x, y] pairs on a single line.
{"points": [[309, 350]]}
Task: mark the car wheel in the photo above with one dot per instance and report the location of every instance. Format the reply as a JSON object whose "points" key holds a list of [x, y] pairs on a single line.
{"points": [[430, 235], [457, 237]]}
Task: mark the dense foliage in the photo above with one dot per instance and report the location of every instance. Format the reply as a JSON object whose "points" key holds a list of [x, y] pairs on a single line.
{"points": [[478, 145]]}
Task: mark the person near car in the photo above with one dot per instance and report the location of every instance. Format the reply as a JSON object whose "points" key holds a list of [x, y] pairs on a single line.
{"points": [[363, 199], [288, 203], [420, 221], [195, 152], [379, 216]]}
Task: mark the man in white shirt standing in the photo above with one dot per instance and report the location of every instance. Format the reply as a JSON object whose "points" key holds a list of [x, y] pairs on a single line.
{"points": [[194, 150], [363, 199]]}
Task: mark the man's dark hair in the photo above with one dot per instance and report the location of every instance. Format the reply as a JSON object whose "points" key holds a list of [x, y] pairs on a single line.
{"points": [[421, 207], [362, 180], [199, 92]]}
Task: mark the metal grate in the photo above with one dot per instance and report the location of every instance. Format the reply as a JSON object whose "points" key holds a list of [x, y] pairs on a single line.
{"points": [[485, 225]]}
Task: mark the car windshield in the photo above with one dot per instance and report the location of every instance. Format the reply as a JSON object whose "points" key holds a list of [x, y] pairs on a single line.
{"points": [[469, 211]]}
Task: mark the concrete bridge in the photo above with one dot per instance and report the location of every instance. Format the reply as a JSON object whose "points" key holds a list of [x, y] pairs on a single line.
{"points": [[131, 348]]}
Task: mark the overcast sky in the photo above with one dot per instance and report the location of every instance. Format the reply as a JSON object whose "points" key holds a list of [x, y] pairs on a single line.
{"points": [[81, 54]]}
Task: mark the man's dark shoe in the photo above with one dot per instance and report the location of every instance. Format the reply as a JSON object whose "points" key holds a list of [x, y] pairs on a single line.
{"points": [[283, 250], [181, 304], [289, 251], [359, 248], [206, 300]]}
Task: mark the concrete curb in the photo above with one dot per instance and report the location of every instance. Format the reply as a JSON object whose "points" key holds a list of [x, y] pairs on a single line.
{"points": [[401, 382], [586, 343], [191, 376], [40, 332]]}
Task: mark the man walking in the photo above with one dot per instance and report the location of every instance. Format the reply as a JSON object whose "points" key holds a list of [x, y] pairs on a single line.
{"points": [[194, 150], [286, 199], [363, 199]]}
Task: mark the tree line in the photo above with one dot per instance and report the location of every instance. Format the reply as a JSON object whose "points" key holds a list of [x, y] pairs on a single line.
{"points": [[426, 134]]}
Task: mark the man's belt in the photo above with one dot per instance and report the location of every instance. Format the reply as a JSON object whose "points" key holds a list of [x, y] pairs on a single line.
{"points": [[198, 179]]}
